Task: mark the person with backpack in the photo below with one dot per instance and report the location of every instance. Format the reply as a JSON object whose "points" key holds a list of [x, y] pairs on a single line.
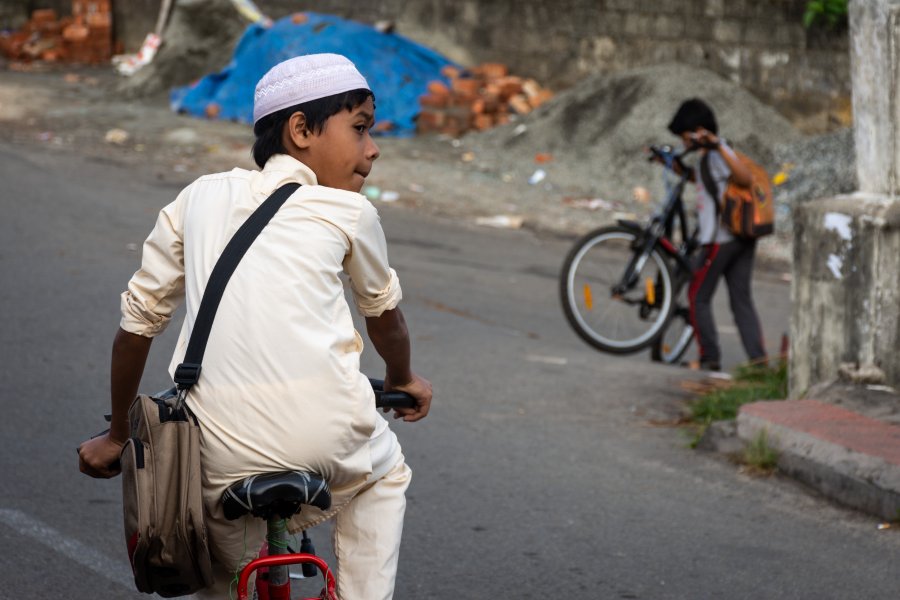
{"points": [[281, 387], [722, 252]]}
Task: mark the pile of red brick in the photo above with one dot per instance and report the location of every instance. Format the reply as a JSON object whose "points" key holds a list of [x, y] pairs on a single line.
{"points": [[85, 37], [477, 98]]}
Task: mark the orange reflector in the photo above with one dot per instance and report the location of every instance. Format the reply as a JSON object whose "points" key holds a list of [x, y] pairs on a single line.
{"points": [[651, 291], [588, 297]]}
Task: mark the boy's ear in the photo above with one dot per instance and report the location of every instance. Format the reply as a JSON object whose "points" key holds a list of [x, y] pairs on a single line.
{"points": [[297, 132]]}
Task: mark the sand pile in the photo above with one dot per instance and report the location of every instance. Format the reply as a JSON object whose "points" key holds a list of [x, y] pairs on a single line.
{"points": [[595, 131]]}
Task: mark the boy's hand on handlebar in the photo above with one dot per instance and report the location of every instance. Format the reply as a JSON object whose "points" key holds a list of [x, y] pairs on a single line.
{"points": [[420, 389], [99, 457]]}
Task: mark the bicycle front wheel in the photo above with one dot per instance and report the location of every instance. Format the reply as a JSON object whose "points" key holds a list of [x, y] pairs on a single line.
{"points": [[607, 312]]}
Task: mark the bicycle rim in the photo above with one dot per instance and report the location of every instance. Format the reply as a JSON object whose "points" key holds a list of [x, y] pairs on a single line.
{"points": [[622, 324]]}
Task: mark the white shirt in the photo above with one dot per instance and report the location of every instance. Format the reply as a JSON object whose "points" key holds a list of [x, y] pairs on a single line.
{"points": [[280, 387], [711, 228]]}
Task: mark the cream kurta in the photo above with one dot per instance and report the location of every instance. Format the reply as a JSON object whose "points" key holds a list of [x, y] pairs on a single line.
{"points": [[280, 387]]}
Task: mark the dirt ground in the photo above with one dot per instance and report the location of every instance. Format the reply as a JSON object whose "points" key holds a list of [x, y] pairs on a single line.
{"points": [[78, 110]]}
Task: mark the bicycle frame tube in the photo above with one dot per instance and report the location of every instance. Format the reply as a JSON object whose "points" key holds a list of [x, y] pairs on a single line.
{"points": [[658, 232], [674, 209]]}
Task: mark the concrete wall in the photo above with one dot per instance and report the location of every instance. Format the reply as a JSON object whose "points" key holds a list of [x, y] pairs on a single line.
{"points": [[761, 44], [846, 291]]}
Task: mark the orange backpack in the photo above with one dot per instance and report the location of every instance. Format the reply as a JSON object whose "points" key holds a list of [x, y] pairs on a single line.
{"points": [[747, 212]]}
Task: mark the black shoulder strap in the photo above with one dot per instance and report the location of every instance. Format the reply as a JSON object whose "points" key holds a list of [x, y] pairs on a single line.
{"points": [[711, 188], [188, 371]]}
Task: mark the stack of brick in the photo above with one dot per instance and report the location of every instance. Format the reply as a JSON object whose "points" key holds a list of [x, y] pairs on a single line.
{"points": [[89, 38], [85, 37], [477, 98]]}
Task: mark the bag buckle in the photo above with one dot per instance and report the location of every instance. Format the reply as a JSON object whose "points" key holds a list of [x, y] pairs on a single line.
{"points": [[186, 375]]}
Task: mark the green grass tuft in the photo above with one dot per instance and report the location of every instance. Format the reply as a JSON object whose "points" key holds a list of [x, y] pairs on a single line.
{"points": [[750, 384], [759, 455]]}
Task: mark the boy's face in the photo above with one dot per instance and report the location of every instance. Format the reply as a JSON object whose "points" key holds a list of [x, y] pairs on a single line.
{"points": [[341, 155]]}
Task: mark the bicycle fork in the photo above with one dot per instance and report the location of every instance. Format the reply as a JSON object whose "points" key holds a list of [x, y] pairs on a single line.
{"points": [[634, 268]]}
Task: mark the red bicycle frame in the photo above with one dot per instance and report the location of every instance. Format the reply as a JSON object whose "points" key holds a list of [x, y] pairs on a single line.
{"points": [[283, 592]]}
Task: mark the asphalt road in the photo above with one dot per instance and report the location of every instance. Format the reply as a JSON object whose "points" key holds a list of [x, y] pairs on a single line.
{"points": [[542, 471]]}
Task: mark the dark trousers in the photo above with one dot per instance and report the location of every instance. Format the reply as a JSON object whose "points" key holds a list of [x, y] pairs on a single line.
{"points": [[734, 260]]}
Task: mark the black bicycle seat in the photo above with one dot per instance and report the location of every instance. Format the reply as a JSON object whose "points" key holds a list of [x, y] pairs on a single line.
{"points": [[275, 494]]}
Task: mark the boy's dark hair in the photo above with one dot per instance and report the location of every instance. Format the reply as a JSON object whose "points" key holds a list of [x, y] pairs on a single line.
{"points": [[269, 129], [692, 114]]}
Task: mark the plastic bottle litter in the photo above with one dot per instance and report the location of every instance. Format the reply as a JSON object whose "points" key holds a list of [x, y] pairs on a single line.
{"points": [[537, 177]]}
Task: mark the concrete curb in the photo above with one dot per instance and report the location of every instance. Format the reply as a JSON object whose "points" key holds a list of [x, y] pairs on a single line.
{"points": [[852, 459]]}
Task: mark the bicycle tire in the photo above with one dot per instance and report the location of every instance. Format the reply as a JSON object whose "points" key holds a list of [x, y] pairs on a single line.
{"points": [[678, 333], [572, 281], [669, 348]]}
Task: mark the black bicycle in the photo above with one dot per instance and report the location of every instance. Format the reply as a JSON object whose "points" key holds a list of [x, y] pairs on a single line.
{"points": [[624, 287]]}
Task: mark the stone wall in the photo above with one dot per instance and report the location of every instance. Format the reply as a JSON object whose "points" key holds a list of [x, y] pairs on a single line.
{"points": [[759, 43]]}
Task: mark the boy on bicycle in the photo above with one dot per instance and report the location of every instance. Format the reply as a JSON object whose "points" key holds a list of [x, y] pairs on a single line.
{"points": [[281, 387], [721, 254]]}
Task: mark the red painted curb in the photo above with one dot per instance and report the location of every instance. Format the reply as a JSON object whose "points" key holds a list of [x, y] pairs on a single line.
{"points": [[833, 424]]}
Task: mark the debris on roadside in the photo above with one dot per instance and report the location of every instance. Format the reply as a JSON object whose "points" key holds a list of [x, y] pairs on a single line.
{"points": [[371, 192], [129, 64], [781, 177], [501, 221], [116, 136], [477, 99], [591, 203], [85, 37], [538, 176], [641, 194]]}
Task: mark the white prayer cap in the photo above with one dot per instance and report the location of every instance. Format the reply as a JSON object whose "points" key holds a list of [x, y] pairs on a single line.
{"points": [[302, 79]]}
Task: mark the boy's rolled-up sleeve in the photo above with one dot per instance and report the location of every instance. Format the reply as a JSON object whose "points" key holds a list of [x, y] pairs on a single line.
{"points": [[375, 285], [157, 288]]}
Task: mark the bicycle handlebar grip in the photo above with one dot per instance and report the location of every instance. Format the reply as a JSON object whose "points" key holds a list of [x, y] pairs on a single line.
{"points": [[394, 400], [385, 399]]}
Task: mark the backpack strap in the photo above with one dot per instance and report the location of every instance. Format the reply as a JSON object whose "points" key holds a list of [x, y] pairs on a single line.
{"points": [[188, 372]]}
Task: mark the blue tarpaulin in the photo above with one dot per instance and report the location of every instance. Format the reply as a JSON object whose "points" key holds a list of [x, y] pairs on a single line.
{"points": [[397, 69]]}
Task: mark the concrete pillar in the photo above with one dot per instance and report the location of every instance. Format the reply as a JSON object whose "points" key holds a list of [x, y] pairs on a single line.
{"points": [[875, 76], [846, 291]]}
